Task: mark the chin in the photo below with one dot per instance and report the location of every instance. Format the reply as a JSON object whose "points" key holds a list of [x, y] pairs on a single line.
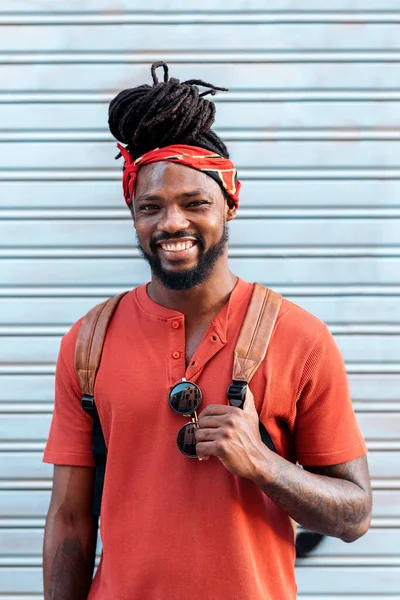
{"points": [[179, 266]]}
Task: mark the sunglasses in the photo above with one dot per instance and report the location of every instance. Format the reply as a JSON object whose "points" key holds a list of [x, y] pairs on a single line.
{"points": [[185, 398]]}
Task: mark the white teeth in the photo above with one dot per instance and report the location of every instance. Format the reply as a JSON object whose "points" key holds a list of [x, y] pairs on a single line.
{"points": [[177, 247]]}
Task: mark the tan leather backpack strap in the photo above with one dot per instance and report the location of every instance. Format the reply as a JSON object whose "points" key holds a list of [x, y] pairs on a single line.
{"points": [[90, 341], [256, 332]]}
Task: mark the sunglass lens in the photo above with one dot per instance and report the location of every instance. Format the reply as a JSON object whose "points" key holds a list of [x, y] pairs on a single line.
{"points": [[185, 398], [186, 440]]}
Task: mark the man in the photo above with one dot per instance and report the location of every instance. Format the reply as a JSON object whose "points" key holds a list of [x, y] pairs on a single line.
{"points": [[219, 527]]}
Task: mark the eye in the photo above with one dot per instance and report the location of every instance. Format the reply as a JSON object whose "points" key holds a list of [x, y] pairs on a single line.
{"points": [[197, 203], [148, 207]]}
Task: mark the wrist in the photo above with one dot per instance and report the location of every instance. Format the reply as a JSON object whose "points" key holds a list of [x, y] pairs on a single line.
{"points": [[264, 465]]}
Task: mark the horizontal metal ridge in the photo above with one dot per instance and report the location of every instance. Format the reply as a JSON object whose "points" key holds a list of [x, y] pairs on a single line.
{"points": [[367, 328], [49, 368], [60, 329], [18, 446], [347, 561], [358, 134], [371, 407], [372, 368], [38, 522], [25, 562], [234, 252], [39, 596], [385, 484], [245, 174], [32, 369], [18, 561], [21, 523], [202, 57], [246, 212], [351, 596], [290, 291], [38, 407], [234, 95], [384, 445], [26, 408], [25, 484], [312, 561], [198, 17]]}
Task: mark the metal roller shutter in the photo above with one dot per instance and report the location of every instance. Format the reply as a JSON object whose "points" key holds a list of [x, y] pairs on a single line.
{"points": [[312, 121]]}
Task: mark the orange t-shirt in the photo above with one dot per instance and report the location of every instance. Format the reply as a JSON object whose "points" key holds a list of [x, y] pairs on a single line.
{"points": [[174, 527]]}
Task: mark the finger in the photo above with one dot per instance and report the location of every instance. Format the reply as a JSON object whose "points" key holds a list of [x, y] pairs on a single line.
{"points": [[249, 405], [206, 435], [216, 409], [212, 421], [206, 449]]}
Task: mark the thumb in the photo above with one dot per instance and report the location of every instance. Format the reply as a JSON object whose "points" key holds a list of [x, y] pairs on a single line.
{"points": [[249, 405]]}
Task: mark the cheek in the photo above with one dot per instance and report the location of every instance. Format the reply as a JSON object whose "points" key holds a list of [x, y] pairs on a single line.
{"points": [[215, 224], [142, 225], [141, 233]]}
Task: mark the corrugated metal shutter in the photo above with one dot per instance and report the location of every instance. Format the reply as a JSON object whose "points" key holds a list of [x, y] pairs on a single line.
{"points": [[312, 121]]}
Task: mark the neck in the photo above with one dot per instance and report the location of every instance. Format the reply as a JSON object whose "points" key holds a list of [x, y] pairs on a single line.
{"points": [[204, 300]]}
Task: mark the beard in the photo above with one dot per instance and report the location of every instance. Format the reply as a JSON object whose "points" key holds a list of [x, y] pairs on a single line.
{"points": [[189, 278]]}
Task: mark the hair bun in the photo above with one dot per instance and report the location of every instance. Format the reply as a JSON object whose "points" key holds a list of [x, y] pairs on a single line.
{"points": [[168, 112]]}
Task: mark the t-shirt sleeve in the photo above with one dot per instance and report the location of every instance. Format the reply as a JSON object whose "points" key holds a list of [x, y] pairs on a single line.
{"points": [[70, 438], [326, 429]]}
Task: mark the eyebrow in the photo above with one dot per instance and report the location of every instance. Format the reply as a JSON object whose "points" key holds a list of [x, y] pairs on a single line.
{"points": [[191, 194]]}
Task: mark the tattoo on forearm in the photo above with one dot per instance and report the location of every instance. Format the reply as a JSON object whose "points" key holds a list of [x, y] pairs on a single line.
{"points": [[71, 571], [330, 503]]}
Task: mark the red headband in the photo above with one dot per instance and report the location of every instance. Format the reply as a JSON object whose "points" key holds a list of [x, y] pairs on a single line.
{"points": [[219, 168]]}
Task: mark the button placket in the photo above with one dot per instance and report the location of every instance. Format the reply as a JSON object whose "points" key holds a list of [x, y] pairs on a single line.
{"points": [[176, 339]]}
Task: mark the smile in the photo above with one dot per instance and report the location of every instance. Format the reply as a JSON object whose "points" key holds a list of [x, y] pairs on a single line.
{"points": [[177, 246]]}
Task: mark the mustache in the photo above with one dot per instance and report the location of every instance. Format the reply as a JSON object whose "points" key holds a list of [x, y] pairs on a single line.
{"points": [[164, 237]]}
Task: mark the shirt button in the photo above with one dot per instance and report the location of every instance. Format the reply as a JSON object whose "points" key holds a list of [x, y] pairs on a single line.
{"points": [[175, 324], [176, 354]]}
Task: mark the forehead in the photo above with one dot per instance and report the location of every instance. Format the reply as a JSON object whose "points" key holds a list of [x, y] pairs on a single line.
{"points": [[169, 179]]}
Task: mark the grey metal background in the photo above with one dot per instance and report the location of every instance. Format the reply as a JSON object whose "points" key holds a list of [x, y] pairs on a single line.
{"points": [[312, 120]]}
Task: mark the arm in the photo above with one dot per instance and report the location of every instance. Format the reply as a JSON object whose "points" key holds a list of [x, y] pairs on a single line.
{"points": [[334, 500], [70, 535]]}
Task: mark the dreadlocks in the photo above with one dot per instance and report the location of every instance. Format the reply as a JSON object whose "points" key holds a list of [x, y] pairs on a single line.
{"points": [[168, 112]]}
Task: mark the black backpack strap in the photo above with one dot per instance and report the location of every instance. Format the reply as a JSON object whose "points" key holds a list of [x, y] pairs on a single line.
{"points": [[88, 351], [99, 450]]}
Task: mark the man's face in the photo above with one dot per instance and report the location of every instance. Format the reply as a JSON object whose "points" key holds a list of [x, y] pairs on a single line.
{"points": [[180, 217]]}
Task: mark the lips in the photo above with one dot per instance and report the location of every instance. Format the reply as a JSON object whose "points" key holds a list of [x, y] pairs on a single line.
{"points": [[177, 249]]}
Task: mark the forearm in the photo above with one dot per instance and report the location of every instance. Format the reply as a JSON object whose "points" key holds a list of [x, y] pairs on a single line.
{"points": [[328, 505], [68, 558]]}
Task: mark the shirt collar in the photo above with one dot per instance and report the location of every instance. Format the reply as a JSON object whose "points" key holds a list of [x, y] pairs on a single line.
{"points": [[240, 292]]}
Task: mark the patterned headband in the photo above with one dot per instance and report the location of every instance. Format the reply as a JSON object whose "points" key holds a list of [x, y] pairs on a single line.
{"points": [[219, 168]]}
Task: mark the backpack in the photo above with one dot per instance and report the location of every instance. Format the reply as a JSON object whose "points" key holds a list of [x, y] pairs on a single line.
{"points": [[250, 350]]}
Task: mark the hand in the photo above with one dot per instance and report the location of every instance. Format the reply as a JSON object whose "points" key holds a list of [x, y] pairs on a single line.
{"points": [[231, 435]]}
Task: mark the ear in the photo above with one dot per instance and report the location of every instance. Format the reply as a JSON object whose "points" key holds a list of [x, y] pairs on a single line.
{"points": [[231, 210]]}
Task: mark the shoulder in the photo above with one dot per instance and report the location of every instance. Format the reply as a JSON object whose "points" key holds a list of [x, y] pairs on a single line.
{"points": [[68, 341], [299, 325], [301, 343]]}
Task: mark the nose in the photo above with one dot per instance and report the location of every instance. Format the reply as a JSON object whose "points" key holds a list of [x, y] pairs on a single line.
{"points": [[172, 219]]}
